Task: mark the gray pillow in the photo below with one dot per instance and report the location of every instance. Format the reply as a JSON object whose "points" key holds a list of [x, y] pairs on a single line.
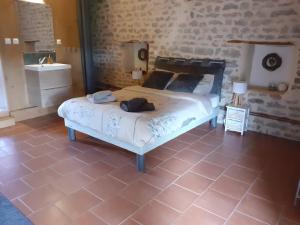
{"points": [[185, 83], [158, 79]]}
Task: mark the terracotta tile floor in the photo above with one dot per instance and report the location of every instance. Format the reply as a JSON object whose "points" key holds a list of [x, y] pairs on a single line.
{"points": [[204, 177]]}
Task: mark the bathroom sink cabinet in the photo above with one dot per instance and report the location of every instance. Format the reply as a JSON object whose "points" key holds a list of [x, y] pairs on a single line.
{"points": [[48, 88]]}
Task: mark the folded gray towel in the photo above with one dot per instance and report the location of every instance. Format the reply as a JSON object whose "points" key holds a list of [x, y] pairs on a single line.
{"points": [[109, 98], [101, 95]]}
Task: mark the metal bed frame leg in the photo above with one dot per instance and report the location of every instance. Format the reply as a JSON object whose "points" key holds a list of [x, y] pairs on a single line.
{"points": [[213, 122], [140, 163], [71, 134]]}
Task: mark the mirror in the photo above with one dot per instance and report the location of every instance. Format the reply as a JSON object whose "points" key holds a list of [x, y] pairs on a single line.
{"points": [[36, 26]]}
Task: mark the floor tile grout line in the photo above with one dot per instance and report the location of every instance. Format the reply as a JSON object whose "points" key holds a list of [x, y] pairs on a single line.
{"points": [[266, 200], [166, 186], [280, 214], [176, 174], [204, 191], [234, 179], [92, 178], [98, 217], [24, 203], [140, 207], [189, 190], [90, 192], [245, 167], [174, 182], [209, 211], [252, 217], [216, 179], [81, 214], [173, 157], [136, 221], [180, 175], [32, 187], [51, 204], [31, 170], [19, 198], [117, 179], [129, 216], [242, 198], [167, 205]]}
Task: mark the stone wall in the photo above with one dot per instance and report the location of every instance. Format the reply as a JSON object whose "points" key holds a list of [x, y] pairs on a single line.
{"points": [[199, 29], [36, 25]]}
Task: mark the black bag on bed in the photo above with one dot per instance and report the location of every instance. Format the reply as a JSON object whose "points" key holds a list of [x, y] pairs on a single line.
{"points": [[137, 105]]}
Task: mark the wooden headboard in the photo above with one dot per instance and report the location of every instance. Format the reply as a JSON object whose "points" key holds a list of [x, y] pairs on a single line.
{"points": [[201, 66]]}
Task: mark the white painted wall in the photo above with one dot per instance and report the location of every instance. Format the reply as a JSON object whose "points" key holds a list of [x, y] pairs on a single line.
{"points": [[130, 54], [262, 77]]}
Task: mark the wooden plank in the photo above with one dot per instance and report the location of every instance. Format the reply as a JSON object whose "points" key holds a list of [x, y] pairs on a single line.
{"points": [[265, 90], [260, 42], [277, 118]]}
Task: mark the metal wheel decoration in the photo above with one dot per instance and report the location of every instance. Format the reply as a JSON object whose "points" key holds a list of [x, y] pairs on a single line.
{"points": [[272, 62], [143, 54]]}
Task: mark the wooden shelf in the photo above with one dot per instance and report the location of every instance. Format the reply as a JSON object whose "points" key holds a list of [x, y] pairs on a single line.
{"points": [[265, 90], [30, 41], [260, 42], [277, 118]]}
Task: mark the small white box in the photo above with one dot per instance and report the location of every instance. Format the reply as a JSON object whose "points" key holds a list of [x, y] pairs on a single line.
{"points": [[15, 41], [58, 41], [7, 41]]}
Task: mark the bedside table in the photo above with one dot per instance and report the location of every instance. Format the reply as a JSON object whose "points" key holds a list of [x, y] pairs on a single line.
{"points": [[237, 118]]}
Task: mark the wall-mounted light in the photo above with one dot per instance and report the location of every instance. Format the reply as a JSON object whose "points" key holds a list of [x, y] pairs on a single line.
{"points": [[34, 1]]}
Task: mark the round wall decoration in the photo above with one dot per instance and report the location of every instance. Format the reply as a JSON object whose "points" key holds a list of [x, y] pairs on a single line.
{"points": [[143, 54], [272, 62]]}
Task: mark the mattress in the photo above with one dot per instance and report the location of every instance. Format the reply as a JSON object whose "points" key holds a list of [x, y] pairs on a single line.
{"points": [[173, 112]]}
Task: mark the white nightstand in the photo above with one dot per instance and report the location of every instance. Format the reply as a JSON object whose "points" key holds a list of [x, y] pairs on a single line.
{"points": [[237, 118]]}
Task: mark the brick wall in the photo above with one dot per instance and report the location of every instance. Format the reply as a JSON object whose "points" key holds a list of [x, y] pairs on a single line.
{"points": [[199, 29]]}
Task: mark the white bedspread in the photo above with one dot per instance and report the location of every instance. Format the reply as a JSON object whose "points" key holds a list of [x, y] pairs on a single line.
{"points": [[173, 111]]}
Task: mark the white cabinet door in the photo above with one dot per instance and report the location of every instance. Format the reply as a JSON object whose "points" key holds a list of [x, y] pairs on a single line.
{"points": [[234, 125], [55, 79], [55, 96], [235, 114]]}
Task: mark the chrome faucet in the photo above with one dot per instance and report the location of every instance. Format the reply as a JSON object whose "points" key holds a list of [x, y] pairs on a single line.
{"points": [[42, 60]]}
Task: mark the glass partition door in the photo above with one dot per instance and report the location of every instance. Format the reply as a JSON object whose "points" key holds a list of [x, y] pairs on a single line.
{"points": [[3, 96]]}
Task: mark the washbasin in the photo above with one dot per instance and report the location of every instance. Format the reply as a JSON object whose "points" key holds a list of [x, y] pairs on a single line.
{"points": [[47, 67]]}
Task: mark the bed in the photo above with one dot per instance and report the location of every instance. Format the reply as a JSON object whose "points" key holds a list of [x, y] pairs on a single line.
{"points": [[175, 114]]}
